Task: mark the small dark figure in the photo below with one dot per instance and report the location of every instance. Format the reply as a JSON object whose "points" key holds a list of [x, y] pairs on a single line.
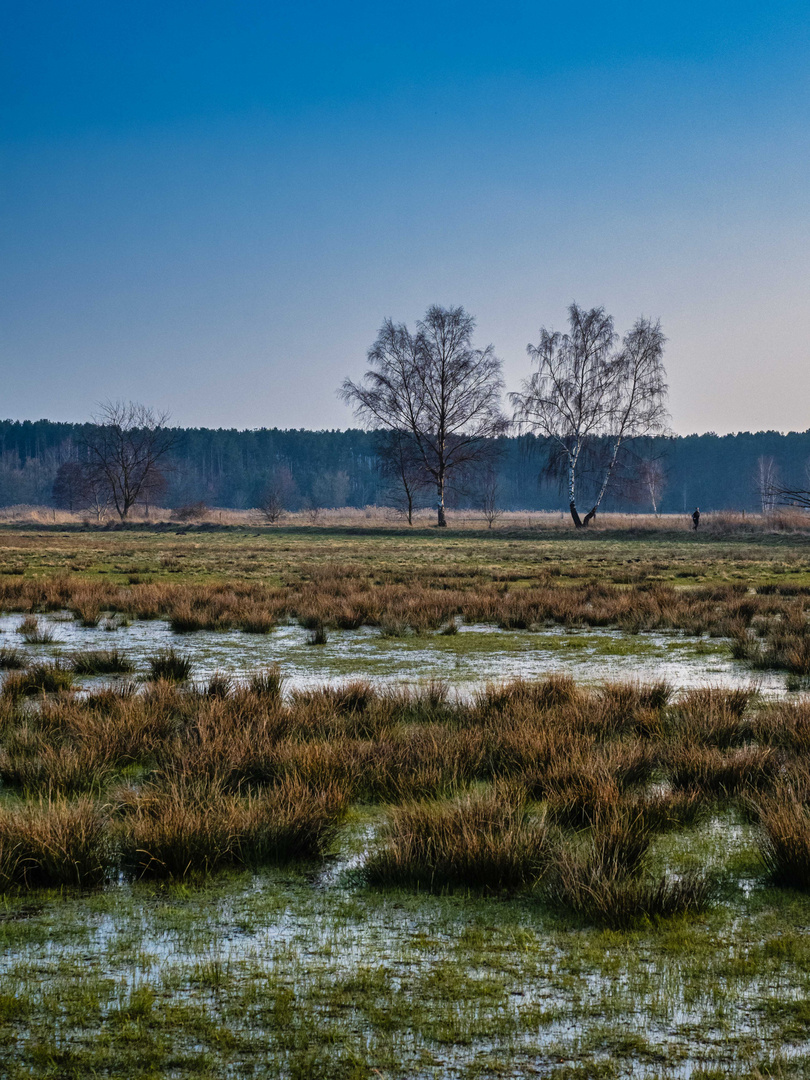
{"points": [[696, 518]]}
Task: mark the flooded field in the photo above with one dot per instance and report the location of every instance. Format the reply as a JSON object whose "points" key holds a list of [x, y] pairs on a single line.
{"points": [[466, 659], [441, 874], [304, 972]]}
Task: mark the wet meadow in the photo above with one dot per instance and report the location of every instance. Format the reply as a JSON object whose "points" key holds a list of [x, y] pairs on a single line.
{"points": [[351, 802]]}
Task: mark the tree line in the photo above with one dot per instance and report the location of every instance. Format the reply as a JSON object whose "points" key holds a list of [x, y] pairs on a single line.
{"points": [[232, 468], [587, 429]]}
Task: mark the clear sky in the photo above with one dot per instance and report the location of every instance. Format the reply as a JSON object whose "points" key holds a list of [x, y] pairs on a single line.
{"points": [[210, 207]]}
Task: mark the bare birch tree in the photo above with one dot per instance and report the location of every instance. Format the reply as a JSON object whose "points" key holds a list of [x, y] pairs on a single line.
{"points": [[124, 449], [591, 394], [436, 387], [766, 480], [775, 492], [652, 476]]}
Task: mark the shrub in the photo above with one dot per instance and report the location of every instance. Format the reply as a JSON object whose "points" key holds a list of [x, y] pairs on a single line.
{"points": [[197, 511]]}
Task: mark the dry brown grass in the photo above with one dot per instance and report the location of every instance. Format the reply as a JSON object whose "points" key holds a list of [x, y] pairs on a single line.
{"points": [[487, 841], [335, 596], [239, 774], [191, 825], [53, 843]]}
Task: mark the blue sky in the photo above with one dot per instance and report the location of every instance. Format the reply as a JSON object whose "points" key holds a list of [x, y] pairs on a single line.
{"points": [[211, 207]]}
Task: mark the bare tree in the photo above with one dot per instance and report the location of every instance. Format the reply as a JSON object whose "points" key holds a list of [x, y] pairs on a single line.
{"points": [[280, 488], [652, 476], [766, 481], [401, 465], [777, 493], [99, 496], [590, 394], [124, 448], [438, 388], [490, 497]]}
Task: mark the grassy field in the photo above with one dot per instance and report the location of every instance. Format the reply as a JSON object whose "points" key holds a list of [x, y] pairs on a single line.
{"points": [[220, 879], [383, 553]]}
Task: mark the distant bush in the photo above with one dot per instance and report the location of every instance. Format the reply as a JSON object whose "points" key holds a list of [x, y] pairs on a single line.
{"points": [[197, 511]]}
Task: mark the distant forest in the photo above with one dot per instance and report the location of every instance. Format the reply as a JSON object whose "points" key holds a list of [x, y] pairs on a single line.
{"points": [[229, 468]]}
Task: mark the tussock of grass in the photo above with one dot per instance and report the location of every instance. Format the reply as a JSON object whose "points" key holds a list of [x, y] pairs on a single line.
{"points": [[318, 635], [785, 839], [53, 843], [601, 879], [32, 633], [488, 842], [169, 666], [40, 678], [268, 684], [101, 662], [194, 825], [12, 659], [716, 773]]}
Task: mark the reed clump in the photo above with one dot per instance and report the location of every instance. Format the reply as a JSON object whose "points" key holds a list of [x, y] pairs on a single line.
{"points": [[53, 843], [169, 666], [39, 678], [195, 825], [487, 842], [101, 662]]}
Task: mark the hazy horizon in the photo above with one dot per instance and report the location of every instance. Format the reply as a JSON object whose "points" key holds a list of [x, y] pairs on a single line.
{"points": [[212, 210]]}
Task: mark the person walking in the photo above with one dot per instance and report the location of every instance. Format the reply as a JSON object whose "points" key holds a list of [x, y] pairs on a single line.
{"points": [[696, 518]]}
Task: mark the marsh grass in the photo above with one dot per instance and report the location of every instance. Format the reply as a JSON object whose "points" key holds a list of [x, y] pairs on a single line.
{"points": [[53, 843], [101, 662], [229, 774], [169, 666], [485, 841], [39, 678], [12, 659], [417, 600], [33, 634]]}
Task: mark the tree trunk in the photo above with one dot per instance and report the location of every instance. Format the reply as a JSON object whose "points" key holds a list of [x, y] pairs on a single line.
{"points": [[442, 520], [572, 480], [589, 517]]}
